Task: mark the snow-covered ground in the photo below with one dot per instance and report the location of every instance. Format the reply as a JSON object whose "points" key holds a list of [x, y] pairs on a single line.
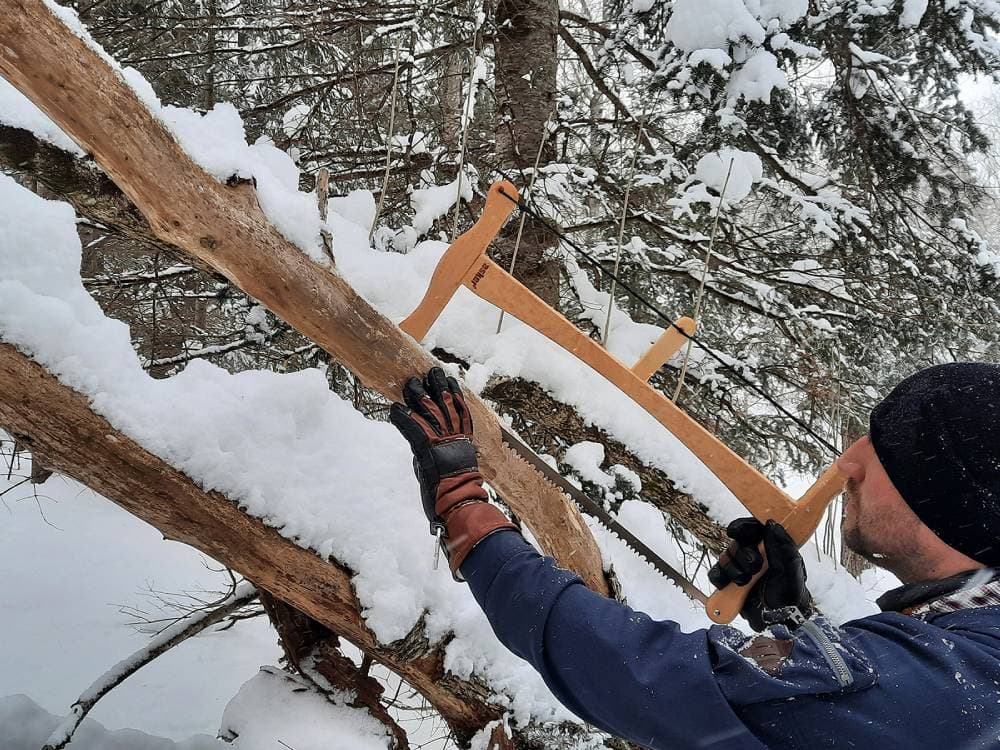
{"points": [[71, 560]]}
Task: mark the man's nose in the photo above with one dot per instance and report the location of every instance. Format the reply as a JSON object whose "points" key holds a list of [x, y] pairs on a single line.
{"points": [[851, 469], [850, 463]]}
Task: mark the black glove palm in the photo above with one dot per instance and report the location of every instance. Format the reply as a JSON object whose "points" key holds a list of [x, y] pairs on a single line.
{"points": [[781, 589]]}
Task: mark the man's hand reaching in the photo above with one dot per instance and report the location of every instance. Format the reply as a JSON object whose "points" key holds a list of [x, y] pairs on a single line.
{"points": [[436, 423]]}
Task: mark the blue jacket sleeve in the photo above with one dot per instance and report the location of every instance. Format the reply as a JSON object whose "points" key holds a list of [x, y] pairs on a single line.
{"points": [[618, 669]]}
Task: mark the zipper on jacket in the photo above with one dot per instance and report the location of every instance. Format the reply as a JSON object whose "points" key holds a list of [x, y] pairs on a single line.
{"points": [[829, 651]]}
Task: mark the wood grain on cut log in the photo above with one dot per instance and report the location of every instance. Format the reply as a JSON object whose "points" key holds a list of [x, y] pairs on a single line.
{"points": [[59, 423], [224, 228]]}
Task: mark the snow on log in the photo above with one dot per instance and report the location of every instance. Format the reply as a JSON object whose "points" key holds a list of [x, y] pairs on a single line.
{"points": [[225, 228], [61, 426], [537, 412]]}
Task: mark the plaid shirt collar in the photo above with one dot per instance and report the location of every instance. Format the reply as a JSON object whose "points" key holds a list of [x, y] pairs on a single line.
{"points": [[976, 588], [985, 594]]}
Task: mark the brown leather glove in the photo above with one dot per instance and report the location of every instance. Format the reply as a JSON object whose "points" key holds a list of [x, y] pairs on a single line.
{"points": [[438, 427]]}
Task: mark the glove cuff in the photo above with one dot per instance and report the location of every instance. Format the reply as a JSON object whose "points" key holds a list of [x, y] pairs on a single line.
{"points": [[791, 616], [467, 525], [452, 491]]}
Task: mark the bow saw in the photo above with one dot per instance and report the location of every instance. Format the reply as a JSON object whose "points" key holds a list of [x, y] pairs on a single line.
{"points": [[466, 263]]}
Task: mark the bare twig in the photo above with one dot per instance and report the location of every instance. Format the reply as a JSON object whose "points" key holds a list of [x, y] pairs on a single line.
{"points": [[323, 197], [121, 671]]}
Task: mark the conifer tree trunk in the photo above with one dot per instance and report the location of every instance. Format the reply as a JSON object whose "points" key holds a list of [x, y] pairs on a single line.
{"points": [[526, 63]]}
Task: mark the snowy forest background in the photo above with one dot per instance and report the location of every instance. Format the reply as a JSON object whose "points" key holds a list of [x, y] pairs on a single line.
{"points": [[847, 152]]}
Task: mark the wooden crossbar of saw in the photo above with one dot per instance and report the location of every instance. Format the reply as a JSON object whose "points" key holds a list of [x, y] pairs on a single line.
{"points": [[465, 263]]}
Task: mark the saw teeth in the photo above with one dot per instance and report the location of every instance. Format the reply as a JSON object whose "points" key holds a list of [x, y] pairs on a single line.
{"points": [[594, 509]]}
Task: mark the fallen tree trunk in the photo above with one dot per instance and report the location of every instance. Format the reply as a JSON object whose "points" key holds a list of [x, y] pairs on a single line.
{"points": [[58, 423], [224, 228], [545, 423]]}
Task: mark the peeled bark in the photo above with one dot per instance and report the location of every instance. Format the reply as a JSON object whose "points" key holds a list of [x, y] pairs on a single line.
{"points": [[224, 228]]}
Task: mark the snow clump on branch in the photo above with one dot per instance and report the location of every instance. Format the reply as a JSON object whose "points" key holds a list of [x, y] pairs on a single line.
{"points": [[711, 24], [724, 177]]}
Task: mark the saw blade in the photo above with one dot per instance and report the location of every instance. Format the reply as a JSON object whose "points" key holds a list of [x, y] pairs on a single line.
{"points": [[596, 510]]}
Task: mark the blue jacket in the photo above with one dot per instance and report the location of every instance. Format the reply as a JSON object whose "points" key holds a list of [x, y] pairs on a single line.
{"points": [[889, 681]]}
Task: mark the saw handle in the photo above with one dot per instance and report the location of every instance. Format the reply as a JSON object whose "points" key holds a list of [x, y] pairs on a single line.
{"points": [[466, 250], [726, 603], [723, 606]]}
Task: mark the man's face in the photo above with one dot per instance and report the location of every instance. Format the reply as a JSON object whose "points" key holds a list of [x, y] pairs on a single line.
{"points": [[878, 524]]}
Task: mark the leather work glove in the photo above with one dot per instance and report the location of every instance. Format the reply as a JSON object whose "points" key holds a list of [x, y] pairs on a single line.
{"points": [[780, 596], [438, 427]]}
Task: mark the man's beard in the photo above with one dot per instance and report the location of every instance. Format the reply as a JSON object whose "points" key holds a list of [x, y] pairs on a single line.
{"points": [[881, 540], [854, 536]]}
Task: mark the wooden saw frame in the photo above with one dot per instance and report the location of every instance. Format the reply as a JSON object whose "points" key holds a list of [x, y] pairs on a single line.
{"points": [[466, 264]]}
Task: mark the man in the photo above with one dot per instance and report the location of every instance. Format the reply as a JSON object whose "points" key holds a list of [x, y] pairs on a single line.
{"points": [[923, 502]]}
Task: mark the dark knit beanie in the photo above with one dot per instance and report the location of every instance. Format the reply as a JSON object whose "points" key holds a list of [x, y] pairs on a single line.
{"points": [[938, 436]]}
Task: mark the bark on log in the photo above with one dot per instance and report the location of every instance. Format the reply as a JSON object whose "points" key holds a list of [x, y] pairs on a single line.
{"points": [[81, 184], [226, 229], [312, 649], [74, 440]]}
